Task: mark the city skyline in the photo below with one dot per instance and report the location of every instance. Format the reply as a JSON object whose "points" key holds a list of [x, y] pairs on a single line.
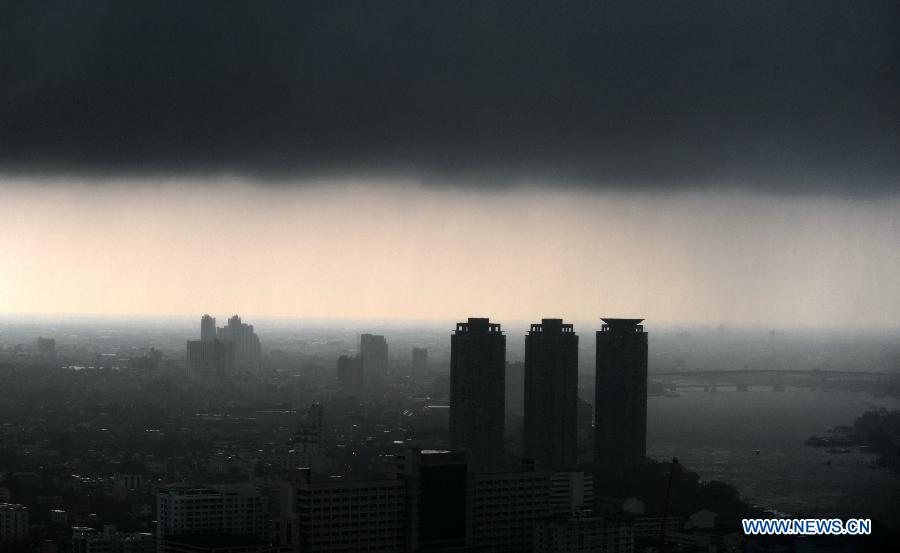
{"points": [[372, 277]]}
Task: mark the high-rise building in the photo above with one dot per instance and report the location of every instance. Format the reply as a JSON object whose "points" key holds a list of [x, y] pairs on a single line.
{"points": [[620, 406], [207, 328], [551, 395], [419, 361], [247, 349], [373, 356], [210, 358], [238, 510], [477, 388]]}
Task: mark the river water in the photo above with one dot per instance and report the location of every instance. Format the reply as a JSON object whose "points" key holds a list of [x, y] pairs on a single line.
{"points": [[716, 435]]}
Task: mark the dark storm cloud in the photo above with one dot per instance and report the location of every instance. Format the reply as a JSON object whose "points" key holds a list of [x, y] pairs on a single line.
{"points": [[675, 93]]}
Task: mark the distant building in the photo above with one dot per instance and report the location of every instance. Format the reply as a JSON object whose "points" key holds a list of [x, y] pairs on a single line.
{"points": [[477, 390], [46, 348], [373, 357], [333, 514], [350, 373], [309, 432], [149, 361], [13, 522], [585, 426], [620, 406], [551, 395], [88, 540], [208, 359], [247, 349], [419, 361], [207, 328], [583, 533], [515, 389], [238, 509]]}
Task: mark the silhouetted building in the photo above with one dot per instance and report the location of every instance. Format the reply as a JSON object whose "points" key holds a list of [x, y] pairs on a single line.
{"points": [[309, 431], [247, 349], [149, 361], [477, 389], [419, 361], [436, 484], [210, 358], [373, 356], [551, 395], [207, 328], [46, 348], [620, 406], [334, 514], [349, 373], [504, 508]]}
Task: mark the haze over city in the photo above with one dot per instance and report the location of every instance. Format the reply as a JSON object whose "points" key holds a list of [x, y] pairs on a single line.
{"points": [[385, 250]]}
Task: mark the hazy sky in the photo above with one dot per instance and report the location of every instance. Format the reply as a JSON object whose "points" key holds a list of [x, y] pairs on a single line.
{"points": [[385, 250], [690, 161]]}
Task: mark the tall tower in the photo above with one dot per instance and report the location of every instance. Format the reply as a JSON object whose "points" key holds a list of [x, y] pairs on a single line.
{"points": [[551, 395], [620, 406], [477, 379], [373, 355], [207, 328], [247, 349]]}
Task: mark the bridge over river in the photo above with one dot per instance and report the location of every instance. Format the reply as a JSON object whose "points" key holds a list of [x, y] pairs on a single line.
{"points": [[743, 379]]}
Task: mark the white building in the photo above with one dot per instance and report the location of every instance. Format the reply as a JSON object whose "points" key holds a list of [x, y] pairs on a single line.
{"points": [[239, 510]]}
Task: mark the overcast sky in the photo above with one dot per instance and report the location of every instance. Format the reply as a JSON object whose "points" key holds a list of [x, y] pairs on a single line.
{"points": [[702, 161]]}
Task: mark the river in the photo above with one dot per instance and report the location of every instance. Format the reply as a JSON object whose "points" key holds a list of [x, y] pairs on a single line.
{"points": [[717, 435]]}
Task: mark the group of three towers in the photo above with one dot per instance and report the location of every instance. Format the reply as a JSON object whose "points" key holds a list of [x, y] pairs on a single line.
{"points": [[477, 394]]}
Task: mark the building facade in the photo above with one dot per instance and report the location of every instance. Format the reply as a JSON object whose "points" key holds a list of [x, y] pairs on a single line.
{"points": [[373, 357], [477, 392], [333, 514], [13, 522], [620, 406], [247, 349], [238, 509], [551, 395], [210, 359]]}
